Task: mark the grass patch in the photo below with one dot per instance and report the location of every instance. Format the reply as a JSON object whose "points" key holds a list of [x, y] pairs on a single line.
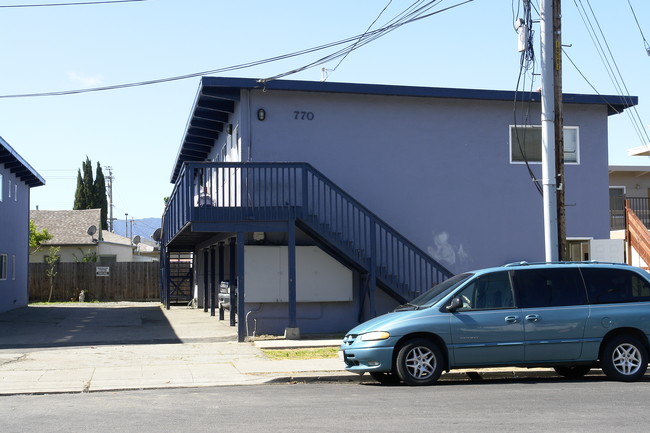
{"points": [[304, 353]]}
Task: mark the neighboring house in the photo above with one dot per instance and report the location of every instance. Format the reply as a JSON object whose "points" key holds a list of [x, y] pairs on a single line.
{"points": [[631, 184], [71, 231], [16, 180], [329, 203]]}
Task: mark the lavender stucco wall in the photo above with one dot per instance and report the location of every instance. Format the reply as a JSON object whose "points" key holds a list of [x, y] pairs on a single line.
{"points": [[437, 170], [14, 239]]}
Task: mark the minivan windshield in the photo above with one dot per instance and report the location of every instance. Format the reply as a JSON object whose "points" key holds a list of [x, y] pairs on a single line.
{"points": [[435, 293]]}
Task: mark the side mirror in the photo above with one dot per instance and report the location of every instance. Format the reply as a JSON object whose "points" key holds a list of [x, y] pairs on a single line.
{"points": [[456, 303]]}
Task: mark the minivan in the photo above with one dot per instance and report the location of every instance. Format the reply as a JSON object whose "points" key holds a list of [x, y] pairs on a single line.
{"points": [[571, 317]]}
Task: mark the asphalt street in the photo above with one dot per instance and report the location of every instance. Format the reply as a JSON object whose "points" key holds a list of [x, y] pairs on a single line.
{"points": [[502, 405]]}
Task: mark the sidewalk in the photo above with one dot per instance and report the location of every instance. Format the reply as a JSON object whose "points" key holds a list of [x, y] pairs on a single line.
{"points": [[66, 348], [118, 346]]}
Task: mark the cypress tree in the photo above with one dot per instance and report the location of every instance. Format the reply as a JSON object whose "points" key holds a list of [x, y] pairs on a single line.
{"points": [[78, 196], [87, 191], [99, 199]]}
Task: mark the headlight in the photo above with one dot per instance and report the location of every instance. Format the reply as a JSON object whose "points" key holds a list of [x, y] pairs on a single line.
{"points": [[375, 335]]}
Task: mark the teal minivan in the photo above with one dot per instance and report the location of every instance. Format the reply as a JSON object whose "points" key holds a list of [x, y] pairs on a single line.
{"points": [[571, 317]]}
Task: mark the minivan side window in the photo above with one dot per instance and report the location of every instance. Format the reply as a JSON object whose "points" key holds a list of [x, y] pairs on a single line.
{"points": [[489, 291], [550, 287], [606, 286]]}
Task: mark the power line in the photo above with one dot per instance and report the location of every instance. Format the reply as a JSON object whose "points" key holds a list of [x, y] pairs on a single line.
{"points": [[607, 58], [71, 4], [370, 36], [361, 37], [645, 42], [380, 31]]}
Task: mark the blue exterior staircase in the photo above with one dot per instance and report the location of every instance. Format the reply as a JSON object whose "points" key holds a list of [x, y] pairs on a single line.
{"points": [[250, 194]]}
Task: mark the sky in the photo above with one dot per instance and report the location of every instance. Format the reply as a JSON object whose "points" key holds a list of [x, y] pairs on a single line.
{"points": [[138, 130]]}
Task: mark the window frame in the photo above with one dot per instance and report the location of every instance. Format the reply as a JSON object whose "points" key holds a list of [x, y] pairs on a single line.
{"points": [[473, 284], [524, 294], [629, 297], [513, 143]]}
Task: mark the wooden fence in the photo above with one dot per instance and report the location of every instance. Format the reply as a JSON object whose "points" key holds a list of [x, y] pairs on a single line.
{"points": [[127, 281]]}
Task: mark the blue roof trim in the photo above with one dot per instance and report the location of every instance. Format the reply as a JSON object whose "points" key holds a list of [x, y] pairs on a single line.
{"points": [[615, 101], [17, 165], [216, 98]]}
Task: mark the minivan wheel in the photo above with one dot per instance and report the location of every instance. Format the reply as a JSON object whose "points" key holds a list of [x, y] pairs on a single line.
{"points": [[572, 371], [385, 378], [624, 358], [419, 362]]}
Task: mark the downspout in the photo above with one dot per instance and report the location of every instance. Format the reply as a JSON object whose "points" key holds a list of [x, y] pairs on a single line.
{"points": [[247, 130]]}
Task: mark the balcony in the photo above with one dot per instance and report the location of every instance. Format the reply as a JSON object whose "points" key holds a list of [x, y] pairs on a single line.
{"points": [[211, 198]]}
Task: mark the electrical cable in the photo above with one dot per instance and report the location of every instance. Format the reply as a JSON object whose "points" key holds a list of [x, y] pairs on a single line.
{"points": [[526, 63], [370, 36], [613, 71], [71, 4], [645, 42], [219, 70], [361, 37]]}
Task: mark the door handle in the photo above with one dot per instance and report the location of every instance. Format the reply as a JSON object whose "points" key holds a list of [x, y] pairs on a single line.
{"points": [[512, 319], [533, 317]]}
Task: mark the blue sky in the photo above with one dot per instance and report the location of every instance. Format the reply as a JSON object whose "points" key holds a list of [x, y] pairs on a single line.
{"points": [[137, 131]]}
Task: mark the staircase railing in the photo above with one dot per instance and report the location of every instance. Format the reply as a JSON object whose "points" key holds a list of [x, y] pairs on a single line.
{"points": [[636, 234], [281, 191]]}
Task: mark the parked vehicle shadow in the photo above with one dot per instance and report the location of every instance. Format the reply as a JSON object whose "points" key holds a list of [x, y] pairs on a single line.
{"points": [[88, 325], [528, 378]]}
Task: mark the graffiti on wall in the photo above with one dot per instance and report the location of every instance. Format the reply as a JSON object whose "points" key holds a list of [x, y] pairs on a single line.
{"points": [[448, 254]]}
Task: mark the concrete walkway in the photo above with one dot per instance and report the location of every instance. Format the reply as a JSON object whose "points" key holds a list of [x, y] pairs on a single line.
{"points": [[114, 346], [79, 347]]}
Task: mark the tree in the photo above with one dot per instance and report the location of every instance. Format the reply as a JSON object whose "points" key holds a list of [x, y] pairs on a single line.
{"points": [[51, 260], [99, 199], [91, 194], [88, 190], [37, 238]]}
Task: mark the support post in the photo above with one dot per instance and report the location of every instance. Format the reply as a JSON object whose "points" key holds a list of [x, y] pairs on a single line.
{"points": [[241, 325], [222, 272], [559, 131], [549, 186], [232, 278], [213, 283], [206, 270], [292, 332], [166, 280]]}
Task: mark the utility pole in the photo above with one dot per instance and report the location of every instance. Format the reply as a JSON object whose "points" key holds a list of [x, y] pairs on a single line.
{"points": [[559, 130], [109, 190], [549, 186]]}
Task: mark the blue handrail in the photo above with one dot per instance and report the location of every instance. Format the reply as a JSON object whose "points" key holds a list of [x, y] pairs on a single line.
{"points": [[282, 191]]}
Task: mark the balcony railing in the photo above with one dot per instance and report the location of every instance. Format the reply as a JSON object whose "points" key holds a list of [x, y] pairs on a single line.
{"points": [[640, 206]]}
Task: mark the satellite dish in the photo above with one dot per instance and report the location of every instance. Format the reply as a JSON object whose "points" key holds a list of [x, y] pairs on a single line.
{"points": [[91, 230], [136, 240], [157, 235]]}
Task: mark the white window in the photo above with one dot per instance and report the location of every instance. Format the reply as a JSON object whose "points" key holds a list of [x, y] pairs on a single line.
{"points": [[2, 187], [13, 267], [15, 191], [526, 144], [3, 266], [9, 189]]}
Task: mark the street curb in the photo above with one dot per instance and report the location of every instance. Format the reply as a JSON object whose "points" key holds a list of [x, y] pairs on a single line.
{"points": [[465, 376]]}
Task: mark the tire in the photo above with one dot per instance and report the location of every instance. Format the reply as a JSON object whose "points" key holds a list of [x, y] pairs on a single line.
{"points": [[385, 378], [572, 371], [419, 362], [624, 358]]}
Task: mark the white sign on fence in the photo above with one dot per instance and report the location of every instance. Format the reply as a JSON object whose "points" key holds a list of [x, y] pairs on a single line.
{"points": [[103, 271]]}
